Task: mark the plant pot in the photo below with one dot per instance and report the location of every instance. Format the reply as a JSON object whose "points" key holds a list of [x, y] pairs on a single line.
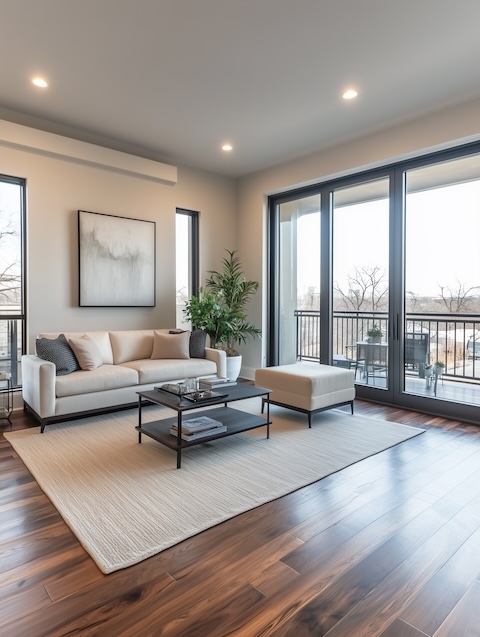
{"points": [[234, 365]]}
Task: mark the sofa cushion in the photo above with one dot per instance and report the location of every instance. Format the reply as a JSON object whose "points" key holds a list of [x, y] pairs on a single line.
{"points": [[305, 378], [87, 353], [160, 371], [171, 345], [100, 379], [131, 345], [198, 342], [100, 338], [58, 351], [307, 385]]}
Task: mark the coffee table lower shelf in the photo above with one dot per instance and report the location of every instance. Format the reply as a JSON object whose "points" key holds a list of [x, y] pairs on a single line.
{"points": [[235, 420]]}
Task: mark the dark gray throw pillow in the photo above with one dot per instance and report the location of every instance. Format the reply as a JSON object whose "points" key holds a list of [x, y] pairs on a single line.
{"points": [[58, 351], [198, 339]]}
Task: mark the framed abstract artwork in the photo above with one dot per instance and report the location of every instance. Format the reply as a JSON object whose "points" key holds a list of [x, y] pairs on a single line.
{"points": [[116, 261]]}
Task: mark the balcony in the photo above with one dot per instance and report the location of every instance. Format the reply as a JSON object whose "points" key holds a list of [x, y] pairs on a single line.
{"points": [[448, 338], [11, 349]]}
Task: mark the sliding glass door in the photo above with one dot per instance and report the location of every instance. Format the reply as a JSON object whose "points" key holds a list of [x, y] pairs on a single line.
{"points": [[442, 282], [380, 273], [360, 281]]}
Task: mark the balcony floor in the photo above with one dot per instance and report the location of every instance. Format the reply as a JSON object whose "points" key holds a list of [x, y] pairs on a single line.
{"points": [[447, 389]]}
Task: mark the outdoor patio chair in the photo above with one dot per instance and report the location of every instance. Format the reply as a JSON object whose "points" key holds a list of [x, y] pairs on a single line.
{"points": [[417, 345]]}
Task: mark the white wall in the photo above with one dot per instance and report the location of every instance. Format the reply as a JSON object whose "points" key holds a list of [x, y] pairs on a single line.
{"points": [[447, 128], [58, 187]]}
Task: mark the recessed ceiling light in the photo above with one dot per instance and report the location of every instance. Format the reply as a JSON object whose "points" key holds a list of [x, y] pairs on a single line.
{"points": [[350, 94], [227, 147], [40, 82]]}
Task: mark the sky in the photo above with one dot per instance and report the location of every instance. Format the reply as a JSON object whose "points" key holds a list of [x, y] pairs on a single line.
{"points": [[182, 254], [9, 209], [442, 236]]}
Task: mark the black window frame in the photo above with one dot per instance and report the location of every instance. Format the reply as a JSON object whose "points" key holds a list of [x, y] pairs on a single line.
{"points": [[195, 250], [13, 318]]}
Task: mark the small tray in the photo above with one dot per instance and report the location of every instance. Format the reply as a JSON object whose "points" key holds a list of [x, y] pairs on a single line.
{"points": [[199, 396]]}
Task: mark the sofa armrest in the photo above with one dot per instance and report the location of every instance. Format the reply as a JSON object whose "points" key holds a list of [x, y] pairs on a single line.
{"points": [[38, 385], [219, 357]]}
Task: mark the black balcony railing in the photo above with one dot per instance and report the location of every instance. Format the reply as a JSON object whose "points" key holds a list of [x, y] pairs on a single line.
{"points": [[11, 349], [448, 338]]}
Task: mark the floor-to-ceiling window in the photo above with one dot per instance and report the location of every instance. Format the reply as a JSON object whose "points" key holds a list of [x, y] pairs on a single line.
{"points": [[442, 280], [299, 267], [360, 279], [395, 263], [12, 306], [186, 260]]}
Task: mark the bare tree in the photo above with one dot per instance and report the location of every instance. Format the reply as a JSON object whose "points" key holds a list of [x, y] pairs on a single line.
{"points": [[367, 290], [10, 285], [10, 275], [412, 302], [460, 300], [182, 295]]}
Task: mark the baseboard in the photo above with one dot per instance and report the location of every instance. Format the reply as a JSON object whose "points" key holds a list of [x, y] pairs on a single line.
{"points": [[17, 401], [248, 373]]}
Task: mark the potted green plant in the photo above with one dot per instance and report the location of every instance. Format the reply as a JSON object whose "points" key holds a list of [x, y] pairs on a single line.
{"points": [[205, 313], [438, 368], [375, 334], [220, 310]]}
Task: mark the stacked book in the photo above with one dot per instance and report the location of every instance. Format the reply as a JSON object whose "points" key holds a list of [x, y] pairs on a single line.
{"points": [[214, 383], [200, 427]]}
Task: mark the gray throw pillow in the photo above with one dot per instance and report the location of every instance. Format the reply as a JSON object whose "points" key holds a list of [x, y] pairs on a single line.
{"points": [[58, 351], [198, 340]]}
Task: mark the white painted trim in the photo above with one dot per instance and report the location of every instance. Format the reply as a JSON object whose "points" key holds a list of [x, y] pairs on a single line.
{"points": [[52, 145], [17, 400], [248, 373]]}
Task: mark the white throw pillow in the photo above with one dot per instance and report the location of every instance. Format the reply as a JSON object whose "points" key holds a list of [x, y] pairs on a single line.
{"points": [[171, 345], [87, 353]]}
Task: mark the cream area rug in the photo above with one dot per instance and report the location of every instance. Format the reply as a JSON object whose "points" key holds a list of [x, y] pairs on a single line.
{"points": [[127, 501]]}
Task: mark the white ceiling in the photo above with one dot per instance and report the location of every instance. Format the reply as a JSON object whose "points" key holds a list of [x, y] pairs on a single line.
{"points": [[174, 79]]}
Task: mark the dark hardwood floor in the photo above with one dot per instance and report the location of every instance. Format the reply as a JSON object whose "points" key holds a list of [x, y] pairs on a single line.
{"points": [[389, 546]]}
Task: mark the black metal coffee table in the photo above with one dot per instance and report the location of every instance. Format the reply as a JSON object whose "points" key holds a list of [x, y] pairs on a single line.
{"points": [[235, 420]]}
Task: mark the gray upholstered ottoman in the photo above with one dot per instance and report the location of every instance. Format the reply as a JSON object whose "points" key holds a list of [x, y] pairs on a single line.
{"points": [[307, 387]]}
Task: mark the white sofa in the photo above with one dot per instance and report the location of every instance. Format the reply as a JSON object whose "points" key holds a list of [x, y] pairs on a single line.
{"points": [[126, 367]]}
